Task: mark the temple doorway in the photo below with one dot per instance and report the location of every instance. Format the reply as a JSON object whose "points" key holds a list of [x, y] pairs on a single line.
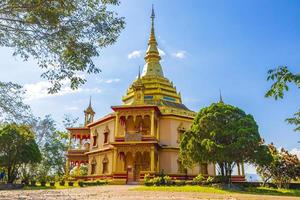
{"points": [[134, 164]]}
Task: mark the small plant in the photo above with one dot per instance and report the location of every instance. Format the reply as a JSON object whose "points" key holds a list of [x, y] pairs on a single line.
{"points": [[71, 183], [167, 180], [51, 180], [180, 183], [80, 183], [209, 180], [157, 181], [33, 183], [198, 180]]}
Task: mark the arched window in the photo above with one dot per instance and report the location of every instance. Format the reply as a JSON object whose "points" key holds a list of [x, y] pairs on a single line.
{"points": [[105, 165], [95, 136], [106, 135], [93, 166]]}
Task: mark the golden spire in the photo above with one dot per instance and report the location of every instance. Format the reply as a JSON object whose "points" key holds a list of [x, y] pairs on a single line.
{"points": [[152, 58]]}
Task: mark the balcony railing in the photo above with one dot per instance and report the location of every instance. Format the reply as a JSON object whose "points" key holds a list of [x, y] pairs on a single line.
{"points": [[133, 137], [77, 151]]}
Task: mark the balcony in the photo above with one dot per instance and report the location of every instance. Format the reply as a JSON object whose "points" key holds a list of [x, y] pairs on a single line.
{"points": [[77, 151], [133, 137]]}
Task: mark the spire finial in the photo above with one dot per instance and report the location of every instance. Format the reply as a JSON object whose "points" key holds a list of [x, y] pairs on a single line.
{"points": [[152, 13], [90, 104], [221, 99], [152, 56], [139, 76]]}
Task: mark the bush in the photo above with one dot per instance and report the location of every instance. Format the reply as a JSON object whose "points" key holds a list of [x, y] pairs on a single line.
{"points": [[209, 180], [62, 183], [198, 180], [167, 180], [157, 181], [92, 183], [180, 183], [80, 183], [33, 183], [70, 183]]}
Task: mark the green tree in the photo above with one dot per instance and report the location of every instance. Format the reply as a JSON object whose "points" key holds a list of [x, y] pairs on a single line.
{"points": [[62, 35], [53, 143], [17, 147], [225, 135], [282, 78], [283, 168], [12, 107]]}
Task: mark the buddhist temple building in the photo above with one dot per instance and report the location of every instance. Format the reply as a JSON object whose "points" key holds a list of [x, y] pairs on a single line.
{"points": [[142, 135]]}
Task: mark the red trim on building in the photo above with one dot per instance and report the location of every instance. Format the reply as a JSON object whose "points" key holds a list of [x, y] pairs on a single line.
{"points": [[115, 108], [104, 119]]}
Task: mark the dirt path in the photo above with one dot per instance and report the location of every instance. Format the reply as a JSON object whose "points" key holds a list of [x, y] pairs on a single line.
{"points": [[123, 193]]}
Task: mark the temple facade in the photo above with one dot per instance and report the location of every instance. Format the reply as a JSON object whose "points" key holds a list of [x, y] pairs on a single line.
{"points": [[142, 135]]}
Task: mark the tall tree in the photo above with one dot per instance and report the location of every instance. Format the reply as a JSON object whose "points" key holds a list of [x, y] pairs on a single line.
{"points": [[17, 147], [53, 143], [225, 135], [283, 167], [62, 35], [12, 106], [282, 78]]}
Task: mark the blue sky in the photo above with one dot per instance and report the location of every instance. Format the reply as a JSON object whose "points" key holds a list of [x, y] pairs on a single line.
{"points": [[207, 46]]}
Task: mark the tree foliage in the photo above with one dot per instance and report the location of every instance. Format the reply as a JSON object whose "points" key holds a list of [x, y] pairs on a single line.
{"points": [[282, 77], [12, 106], [53, 144], [62, 35], [283, 167], [17, 147], [225, 135]]}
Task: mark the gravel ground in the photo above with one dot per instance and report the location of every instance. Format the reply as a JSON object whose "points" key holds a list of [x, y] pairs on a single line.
{"points": [[122, 192]]}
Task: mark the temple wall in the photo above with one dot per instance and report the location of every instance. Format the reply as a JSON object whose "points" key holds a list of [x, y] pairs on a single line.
{"points": [[99, 157], [101, 128], [168, 133]]}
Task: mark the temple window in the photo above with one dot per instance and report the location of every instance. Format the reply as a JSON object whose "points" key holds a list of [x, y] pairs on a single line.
{"points": [[93, 166], [203, 168], [105, 138], [95, 136], [105, 165], [105, 135]]}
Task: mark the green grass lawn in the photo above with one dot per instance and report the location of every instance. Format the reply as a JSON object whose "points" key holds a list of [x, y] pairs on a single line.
{"points": [[207, 189]]}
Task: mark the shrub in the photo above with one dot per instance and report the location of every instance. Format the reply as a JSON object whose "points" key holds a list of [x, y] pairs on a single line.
{"points": [[62, 183], [70, 183], [180, 183], [167, 180], [80, 183], [198, 180], [92, 183], [157, 181], [209, 180]]}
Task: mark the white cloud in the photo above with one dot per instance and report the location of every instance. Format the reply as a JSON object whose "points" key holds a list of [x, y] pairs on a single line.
{"points": [[180, 54], [134, 54], [161, 52], [296, 151], [115, 80], [39, 90], [138, 53]]}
